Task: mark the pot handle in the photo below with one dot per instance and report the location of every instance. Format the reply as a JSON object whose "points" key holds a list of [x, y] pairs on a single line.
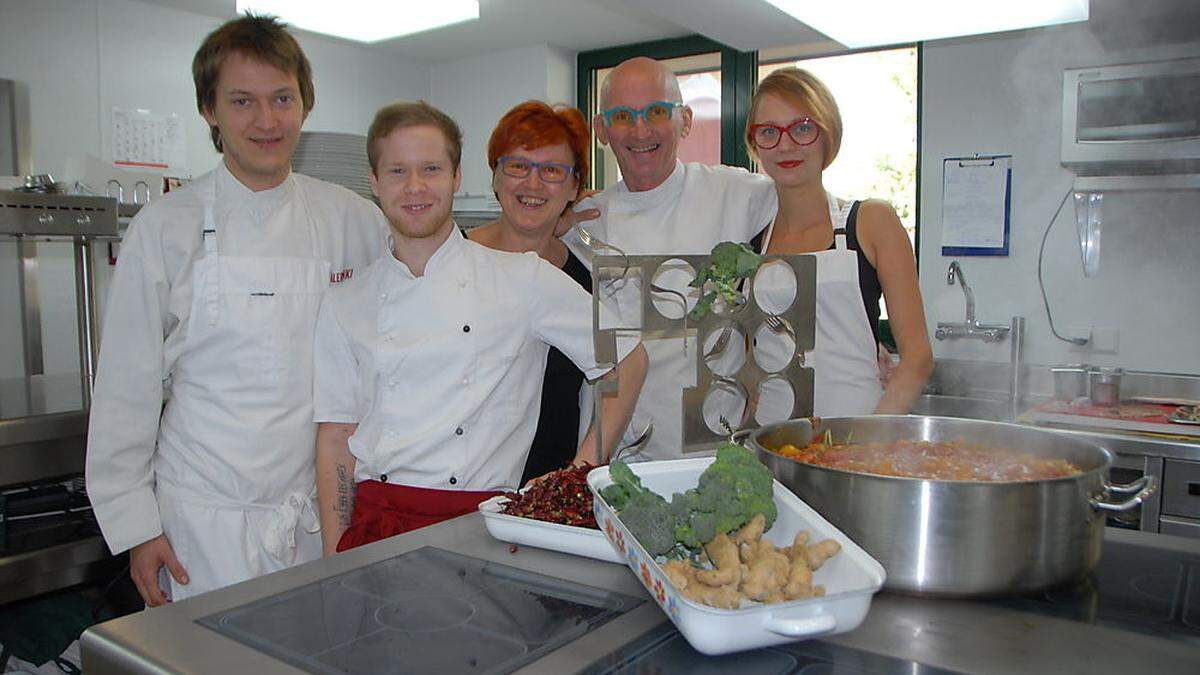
{"points": [[806, 627], [1143, 487]]}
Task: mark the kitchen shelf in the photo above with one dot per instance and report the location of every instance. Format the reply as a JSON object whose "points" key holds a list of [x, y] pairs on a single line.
{"points": [[1149, 183]]}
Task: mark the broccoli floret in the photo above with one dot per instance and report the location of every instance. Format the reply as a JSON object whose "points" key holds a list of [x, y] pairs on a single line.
{"points": [[730, 492], [625, 484], [648, 518]]}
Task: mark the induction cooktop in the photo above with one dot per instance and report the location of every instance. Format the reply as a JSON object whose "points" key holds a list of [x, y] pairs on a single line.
{"points": [[663, 651], [1140, 588], [425, 611]]}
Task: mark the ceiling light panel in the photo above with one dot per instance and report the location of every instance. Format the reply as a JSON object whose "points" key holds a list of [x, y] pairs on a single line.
{"points": [[872, 23], [365, 20]]}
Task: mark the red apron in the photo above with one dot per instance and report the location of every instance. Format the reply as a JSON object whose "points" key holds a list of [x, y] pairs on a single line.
{"points": [[382, 510]]}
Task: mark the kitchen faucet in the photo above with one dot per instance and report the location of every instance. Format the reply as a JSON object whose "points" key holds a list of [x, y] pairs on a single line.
{"points": [[956, 271], [971, 328]]}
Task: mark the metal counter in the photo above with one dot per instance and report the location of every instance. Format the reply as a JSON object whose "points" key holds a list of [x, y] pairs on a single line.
{"points": [[972, 637]]}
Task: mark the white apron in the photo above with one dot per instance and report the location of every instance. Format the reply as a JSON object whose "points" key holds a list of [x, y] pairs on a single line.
{"points": [[845, 369], [235, 482]]}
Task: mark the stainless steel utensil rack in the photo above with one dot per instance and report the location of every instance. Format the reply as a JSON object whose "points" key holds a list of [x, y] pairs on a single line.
{"points": [[40, 442]]}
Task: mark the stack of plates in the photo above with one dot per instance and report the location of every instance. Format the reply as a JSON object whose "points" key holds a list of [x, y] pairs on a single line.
{"points": [[337, 158]]}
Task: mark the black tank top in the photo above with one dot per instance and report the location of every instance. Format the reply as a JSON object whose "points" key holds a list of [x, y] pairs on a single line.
{"points": [[557, 436], [868, 278]]}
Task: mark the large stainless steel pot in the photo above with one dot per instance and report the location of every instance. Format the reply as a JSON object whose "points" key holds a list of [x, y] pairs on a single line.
{"points": [[959, 538]]}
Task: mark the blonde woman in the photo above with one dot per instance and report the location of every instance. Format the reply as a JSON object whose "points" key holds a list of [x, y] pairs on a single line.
{"points": [[862, 250]]}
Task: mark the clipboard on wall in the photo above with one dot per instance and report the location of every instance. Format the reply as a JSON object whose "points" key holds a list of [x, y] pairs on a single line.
{"points": [[976, 205]]}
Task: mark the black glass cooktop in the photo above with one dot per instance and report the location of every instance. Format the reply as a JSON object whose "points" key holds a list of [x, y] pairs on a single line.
{"points": [[1145, 589], [664, 651], [426, 611]]}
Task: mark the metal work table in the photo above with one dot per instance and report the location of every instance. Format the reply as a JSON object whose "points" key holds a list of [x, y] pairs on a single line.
{"points": [[956, 635]]}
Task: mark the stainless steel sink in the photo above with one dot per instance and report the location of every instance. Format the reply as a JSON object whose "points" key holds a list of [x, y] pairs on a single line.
{"points": [[962, 406]]}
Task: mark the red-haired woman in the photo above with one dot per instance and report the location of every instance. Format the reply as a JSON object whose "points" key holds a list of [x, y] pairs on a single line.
{"points": [[538, 154]]}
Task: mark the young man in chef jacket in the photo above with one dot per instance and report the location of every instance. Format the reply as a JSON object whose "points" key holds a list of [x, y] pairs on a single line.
{"points": [[663, 206], [201, 439], [429, 362]]}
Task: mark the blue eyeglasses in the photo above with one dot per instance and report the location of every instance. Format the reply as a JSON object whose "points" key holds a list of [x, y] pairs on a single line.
{"points": [[658, 112], [550, 172]]}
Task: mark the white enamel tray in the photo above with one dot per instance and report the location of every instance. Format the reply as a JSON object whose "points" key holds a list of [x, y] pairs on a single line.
{"points": [[851, 578], [582, 541]]}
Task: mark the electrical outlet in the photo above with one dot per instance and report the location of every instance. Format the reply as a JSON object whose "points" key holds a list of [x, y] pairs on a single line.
{"points": [[1076, 332], [1104, 340]]}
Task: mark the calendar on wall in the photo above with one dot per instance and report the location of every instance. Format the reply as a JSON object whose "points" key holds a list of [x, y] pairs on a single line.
{"points": [[145, 140]]}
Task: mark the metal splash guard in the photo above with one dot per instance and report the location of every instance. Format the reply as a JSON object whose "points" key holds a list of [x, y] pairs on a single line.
{"points": [[628, 300]]}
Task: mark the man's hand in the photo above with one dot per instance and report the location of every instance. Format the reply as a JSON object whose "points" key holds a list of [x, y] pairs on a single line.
{"points": [[145, 559], [887, 365], [570, 218]]}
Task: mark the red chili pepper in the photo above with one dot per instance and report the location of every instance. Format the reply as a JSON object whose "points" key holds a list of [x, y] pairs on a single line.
{"points": [[560, 497]]}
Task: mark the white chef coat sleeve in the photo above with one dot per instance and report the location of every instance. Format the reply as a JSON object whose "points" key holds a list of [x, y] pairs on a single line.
{"points": [[763, 203], [335, 370], [561, 316], [127, 398]]}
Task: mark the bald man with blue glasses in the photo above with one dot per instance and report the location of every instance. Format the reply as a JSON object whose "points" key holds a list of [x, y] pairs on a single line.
{"points": [[663, 206]]}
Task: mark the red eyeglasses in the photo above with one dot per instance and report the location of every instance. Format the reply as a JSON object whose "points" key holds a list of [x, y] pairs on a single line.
{"points": [[803, 131]]}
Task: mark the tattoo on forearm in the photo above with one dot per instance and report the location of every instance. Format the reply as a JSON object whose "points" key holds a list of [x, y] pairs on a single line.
{"points": [[344, 506]]}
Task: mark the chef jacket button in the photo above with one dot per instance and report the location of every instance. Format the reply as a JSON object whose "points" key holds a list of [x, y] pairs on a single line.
{"points": [[453, 480], [458, 431], [383, 478], [466, 329], [383, 296]]}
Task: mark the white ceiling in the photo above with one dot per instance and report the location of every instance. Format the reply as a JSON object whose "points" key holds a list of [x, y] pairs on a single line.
{"points": [[572, 25], [581, 25]]}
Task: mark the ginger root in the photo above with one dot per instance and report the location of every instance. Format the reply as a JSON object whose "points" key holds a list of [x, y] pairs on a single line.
{"points": [[679, 573], [751, 531], [724, 556], [683, 577], [767, 575], [799, 583], [746, 566], [723, 597], [818, 553]]}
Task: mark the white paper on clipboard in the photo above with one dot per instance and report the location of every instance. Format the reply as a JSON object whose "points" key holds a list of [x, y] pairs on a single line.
{"points": [[145, 140], [976, 192]]}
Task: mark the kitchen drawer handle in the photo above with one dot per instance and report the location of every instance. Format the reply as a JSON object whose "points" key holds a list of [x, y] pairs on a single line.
{"points": [[1143, 487], [810, 627]]}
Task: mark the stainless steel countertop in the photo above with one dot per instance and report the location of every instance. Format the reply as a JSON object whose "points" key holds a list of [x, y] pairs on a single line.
{"points": [[1132, 444], [966, 636]]}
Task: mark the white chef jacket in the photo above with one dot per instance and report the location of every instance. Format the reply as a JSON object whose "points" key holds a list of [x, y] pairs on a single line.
{"points": [[443, 372], [145, 329], [697, 207]]}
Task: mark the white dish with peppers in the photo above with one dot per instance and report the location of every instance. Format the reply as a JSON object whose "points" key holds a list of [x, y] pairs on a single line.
{"points": [[847, 580], [550, 501]]}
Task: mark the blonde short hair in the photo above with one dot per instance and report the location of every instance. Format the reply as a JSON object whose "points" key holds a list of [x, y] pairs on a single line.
{"points": [[802, 88], [403, 114]]}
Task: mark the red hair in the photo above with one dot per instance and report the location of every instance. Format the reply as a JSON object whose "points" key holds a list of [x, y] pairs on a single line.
{"points": [[535, 125]]}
